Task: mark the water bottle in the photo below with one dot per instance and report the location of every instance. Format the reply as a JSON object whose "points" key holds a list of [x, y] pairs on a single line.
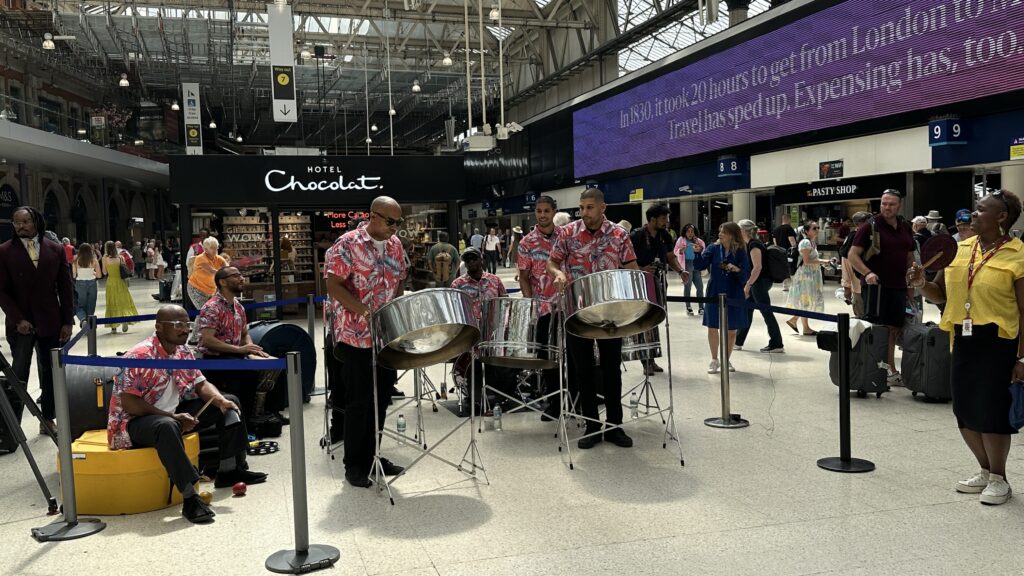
{"points": [[634, 406], [497, 417], [401, 424]]}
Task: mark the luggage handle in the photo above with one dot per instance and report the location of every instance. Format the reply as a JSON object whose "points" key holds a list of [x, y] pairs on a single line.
{"points": [[99, 392]]}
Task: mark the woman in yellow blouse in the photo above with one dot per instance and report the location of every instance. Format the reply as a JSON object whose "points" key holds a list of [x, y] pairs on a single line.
{"points": [[984, 294], [200, 282]]}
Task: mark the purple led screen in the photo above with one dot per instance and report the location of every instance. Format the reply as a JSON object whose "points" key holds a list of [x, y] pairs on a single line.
{"points": [[855, 61]]}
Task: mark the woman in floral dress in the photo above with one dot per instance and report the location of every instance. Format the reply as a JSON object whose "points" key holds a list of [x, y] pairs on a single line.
{"points": [[806, 292]]}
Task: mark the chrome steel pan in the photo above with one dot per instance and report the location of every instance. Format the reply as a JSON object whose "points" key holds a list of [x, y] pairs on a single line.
{"points": [[642, 346], [612, 304], [509, 335], [424, 328]]}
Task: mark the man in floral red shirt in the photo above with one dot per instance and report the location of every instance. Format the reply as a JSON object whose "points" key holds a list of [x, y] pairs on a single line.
{"points": [[365, 271], [153, 407], [594, 244]]}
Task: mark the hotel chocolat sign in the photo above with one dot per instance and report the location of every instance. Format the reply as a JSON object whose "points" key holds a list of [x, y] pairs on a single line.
{"points": [[314, 180]]}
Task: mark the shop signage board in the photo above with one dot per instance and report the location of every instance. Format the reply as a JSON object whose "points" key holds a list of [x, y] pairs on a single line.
{"points": [[841, 190], [636, 195], [830, 169], [282, 60], [947, 132], [193, 118], [850, 62], [1017, 149]]}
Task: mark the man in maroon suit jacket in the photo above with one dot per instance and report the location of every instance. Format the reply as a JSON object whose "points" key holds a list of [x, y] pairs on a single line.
{"points": [[36, 295]]}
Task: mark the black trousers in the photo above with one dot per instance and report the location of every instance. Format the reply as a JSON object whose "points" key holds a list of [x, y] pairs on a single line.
{"points": [[22, 346], [581, 351], [164, 434], [335, 387], [244, 384], [549, 377], [360, 435], [491, 261]]}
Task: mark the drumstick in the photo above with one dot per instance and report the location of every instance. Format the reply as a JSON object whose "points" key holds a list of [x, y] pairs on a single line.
{"points": [[208, 402], [932, 260]]}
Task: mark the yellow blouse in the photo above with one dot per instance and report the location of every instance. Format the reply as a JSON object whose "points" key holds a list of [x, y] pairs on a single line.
{"points": [[993, 299]]}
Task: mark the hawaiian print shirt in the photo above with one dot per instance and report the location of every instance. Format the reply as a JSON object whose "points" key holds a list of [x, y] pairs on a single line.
{"points": [[532, 260], [148, 384], [226, 319], [489, 286], [370, 277], [581, 252]]}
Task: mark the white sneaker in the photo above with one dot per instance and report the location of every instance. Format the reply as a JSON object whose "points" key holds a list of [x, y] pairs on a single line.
{"points": [[714, 367], [737, 347], [893, 378], [997, 492], [731, 367], [975, 484]]}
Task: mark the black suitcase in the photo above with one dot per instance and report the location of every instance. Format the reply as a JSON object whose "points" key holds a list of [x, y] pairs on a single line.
{"points": [[165, 290], [867, 362], [926, 362]]}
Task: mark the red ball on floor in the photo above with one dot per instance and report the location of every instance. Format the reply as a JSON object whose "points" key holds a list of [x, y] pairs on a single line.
{"points": [[239, 489]]}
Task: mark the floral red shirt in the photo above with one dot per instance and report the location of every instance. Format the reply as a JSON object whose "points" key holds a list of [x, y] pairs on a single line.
{"points": [[579, 252], [532, 260], [489, 286], [148, 384], [371, 277], [226, 319]]}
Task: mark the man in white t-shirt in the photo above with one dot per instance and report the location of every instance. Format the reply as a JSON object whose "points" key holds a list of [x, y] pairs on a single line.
{"points": [[491, 246]]}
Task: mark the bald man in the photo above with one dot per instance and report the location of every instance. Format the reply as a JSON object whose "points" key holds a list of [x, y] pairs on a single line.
{"points": [[364, 270]]}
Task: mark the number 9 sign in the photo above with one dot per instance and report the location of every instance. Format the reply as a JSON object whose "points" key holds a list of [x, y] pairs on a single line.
{"points": [[946, 132]]}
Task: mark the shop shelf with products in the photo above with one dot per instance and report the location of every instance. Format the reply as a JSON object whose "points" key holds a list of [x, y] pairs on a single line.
{"points": [[296, 266], [246, 241]]}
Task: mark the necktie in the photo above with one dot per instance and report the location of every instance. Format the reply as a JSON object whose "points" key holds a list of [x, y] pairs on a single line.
{"points": [[33, 253]]}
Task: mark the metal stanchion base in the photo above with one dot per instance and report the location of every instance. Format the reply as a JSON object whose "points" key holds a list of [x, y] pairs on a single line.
{"points": [[734, 421], [851, 466], [62, 530], [317, 557]]}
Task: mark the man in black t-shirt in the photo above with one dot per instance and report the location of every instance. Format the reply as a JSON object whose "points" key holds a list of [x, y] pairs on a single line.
{"points": [[653, 246]]}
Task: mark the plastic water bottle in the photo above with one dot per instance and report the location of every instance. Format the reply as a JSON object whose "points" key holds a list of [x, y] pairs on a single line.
{"points": [[497, 417], [634, 406], [401, 424]]}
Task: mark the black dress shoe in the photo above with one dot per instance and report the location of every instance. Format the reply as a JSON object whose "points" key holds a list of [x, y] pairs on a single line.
{"points": [[390, 468], [357, 478], [618, 437], [590, 441], [196, 511], [231, 477], [396, 393], [279, 417]]}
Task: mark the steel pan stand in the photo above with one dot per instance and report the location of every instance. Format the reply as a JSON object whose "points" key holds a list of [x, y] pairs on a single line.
{"points": [[521, 403]]}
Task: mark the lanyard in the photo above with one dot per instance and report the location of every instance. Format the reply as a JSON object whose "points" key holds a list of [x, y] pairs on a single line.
{"points": [[972, 272]]}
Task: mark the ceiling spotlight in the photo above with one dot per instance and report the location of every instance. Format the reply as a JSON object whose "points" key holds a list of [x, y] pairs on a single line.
{"points": [[138, 142], [416, 86], [48, 42], [213, 124], [123, 82], [447, 60], [304, 54], [373, 127], [175, 106], [238, 138], [81, 131], [347, 58], [495, 12], [392, 112]]}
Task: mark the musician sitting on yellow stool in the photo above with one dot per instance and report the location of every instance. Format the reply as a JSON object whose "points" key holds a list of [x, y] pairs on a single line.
{"points": [[150, 407]]}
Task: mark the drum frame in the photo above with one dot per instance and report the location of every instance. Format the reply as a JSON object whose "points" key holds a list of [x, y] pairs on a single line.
{"points": [[525, 354]]}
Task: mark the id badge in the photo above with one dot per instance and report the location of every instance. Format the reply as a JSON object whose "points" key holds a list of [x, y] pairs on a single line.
{"points": [[968, 327]]}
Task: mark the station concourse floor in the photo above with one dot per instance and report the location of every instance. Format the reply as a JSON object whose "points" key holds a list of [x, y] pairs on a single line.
{"points": [[748, 501]]}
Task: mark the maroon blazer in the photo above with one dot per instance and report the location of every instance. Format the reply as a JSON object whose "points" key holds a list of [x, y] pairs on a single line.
{"points": [[43, 295]]}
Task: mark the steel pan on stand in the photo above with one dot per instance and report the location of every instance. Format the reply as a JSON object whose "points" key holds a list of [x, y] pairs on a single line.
{"points": [[411, 332]]}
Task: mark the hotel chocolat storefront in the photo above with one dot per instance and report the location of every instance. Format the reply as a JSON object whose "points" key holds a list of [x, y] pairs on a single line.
{"points": [[275, 216]]}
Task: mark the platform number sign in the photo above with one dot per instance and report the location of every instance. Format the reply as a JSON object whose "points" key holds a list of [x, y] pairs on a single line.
{"points": [[730, 166], [947, 132]]}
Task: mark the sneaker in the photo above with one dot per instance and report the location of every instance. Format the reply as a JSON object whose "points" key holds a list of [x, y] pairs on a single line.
{"points": [[618, 437], [390, 468], [772, 350], [714, 367], [975, 484], [196, 511], [689, 312], [700, 311], [231, 477], [894, 378], [124, 327], [738, 347], [731, 367], [997, 492]]}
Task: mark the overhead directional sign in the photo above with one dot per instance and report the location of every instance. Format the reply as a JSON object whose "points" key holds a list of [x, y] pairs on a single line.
{"points": [[193, 118], [282, 58]]}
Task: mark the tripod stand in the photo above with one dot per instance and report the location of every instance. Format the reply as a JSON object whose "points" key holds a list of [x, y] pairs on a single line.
{"points": [[14, 427]]}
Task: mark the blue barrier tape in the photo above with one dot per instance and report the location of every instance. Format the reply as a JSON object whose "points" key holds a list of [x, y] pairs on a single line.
{"points": [[691, 300], [274, 304], [126, 319], [74, 340], [781, 310], [119, 362]]}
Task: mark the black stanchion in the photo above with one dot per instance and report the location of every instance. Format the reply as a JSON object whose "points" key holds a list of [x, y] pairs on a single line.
{"points": [[91, 335], [727, 419], [845, 463], [305, 557], [311, 316], [71, 527]]}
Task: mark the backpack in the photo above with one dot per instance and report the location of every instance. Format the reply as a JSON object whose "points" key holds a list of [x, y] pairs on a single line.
{"points": [[776, 264], [442, 264], [793, 257]]}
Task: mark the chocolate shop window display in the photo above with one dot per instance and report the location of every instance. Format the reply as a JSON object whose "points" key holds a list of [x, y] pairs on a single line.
{"points": [[420, 231]]}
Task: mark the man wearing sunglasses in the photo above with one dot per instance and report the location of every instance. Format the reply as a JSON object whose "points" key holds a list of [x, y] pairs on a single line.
{"points": [[963, 225], [364, 270], [148, 408]]}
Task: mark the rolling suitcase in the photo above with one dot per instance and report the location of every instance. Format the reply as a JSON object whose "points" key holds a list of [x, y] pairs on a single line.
{"points": [[867, 362], [926, 362]]}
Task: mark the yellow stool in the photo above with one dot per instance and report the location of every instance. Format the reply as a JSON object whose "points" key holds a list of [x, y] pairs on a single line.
{"points": [[113, 482]]}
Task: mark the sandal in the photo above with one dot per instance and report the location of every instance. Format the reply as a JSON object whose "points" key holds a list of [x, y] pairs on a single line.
{"points": [[811, 333], [792, 325]]}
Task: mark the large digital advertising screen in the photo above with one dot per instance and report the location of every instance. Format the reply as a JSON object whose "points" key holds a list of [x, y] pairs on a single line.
{"points": [[857, 60]]}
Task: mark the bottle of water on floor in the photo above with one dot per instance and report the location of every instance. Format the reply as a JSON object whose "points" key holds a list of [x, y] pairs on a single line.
{"points": [[401, 424], [634, 406], [497, 417]]}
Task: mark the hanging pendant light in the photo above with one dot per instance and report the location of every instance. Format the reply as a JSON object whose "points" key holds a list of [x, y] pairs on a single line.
{"points": [[495, 12], [48, 42], [123, 82], [447, 60], [175, 107], [213, 124], [392, 112], [373, 127], [416, 86], [369, 140]]}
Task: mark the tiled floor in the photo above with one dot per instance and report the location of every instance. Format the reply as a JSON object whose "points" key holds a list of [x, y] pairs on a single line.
{"points": [[749, 501]]}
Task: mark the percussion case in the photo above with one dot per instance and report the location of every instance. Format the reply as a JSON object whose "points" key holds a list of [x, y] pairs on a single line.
{"points": [[926, 365]]}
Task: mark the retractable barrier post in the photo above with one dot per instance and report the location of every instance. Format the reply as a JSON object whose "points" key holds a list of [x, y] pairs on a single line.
{"points": [[727, 419], [845, 462], [305, 557], [91, 327], [311, 316], [71, 527]]}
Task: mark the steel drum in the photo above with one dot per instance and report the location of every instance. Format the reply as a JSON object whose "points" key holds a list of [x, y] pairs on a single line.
{"points": [[424, 328], [509, 335], [642, 346], [613, 304]]}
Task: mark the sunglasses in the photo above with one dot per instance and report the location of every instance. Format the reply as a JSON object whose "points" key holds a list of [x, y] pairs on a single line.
{"points": [[390, 221], [963, 220], [999, 194], [176, 324]]}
